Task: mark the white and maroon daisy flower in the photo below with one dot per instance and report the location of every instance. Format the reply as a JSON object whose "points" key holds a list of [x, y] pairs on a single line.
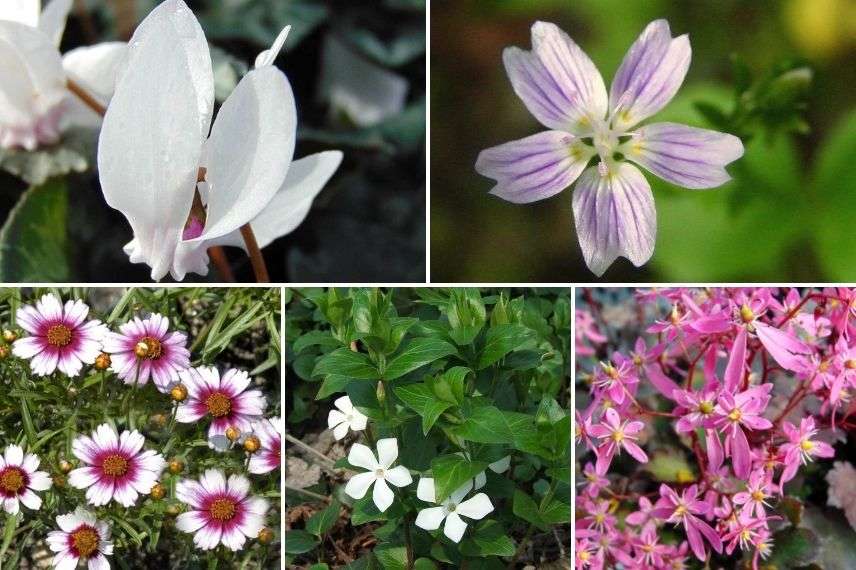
{"points": [[19, 479], [116, 467], [81, 538], [225, 400], [221, 511], [61, 337], [268, 458], [145, 349]]}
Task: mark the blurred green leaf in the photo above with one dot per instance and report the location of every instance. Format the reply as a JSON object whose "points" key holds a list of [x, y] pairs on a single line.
{"points": [[489, 538], [299, 541], [322, 521], [33, 240], [71, 154], [670, 466]]}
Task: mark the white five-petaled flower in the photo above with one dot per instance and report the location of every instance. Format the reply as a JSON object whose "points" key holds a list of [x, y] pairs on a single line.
{"points": [[347, 416], [81, 538], [613, 205], [221, 510], [60, 336], [19, 479], [378, 473], [35, 105], [451, 509], [115, 466], [155, 139]]}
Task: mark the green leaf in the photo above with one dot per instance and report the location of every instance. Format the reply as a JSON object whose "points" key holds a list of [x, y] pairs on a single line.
{"points": [[391, 557], [299, 541], [488, 424], [34, 240], [431, 413], [500, 340], [419, 352], [421, 399], [556, 512], [670, 466], [452, 471], [450, 385], [312, 338], [332, 384], [526, 508], [424, 564], [364, 510], [793, 547], [466, 314], [319, 566], [71, 154], [346, 362], [488, 539], [322, 521]]}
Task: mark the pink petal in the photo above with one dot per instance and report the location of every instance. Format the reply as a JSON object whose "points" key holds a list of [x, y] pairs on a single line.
{"points": [[736, 362]]}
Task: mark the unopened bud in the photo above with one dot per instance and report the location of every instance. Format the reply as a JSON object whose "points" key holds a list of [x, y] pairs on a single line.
{"points": [[158, 492], [232, 434], [72, 392], [173, 510], [158, 420], [10, 336], [58, 480], [4, 352], [65, 466], [102, 362], [178, 393], [265, 535], [252, 444], [176, 466]]}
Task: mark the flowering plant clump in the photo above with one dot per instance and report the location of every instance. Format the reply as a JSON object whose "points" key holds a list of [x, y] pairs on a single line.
{"points": [[105, 457], [440, 416], [706, 421]]}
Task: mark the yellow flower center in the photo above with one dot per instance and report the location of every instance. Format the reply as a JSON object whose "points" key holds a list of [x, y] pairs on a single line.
{"points": [[807, 445], [12, 480], [735, 415], [758, 496], [618, 436], [59, 335], [115, 465], [746, 314], [585, 555], [154, 349], [85, 541], [706, 407], [218, 404], [850, 363], [223, 509]]}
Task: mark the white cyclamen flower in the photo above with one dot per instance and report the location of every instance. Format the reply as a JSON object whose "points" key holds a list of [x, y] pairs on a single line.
{"points": [[379, 472], [500, 466], [81, 538], [19, 479], [347, 416], [35, 105], [155, 139], [451, 509]]}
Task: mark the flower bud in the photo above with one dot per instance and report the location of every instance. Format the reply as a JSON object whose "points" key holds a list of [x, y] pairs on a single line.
{"points": [[72, 391], [173, 510], [158, 420], [178, 393], [850, 363], [58, 480], [141, 349], [4, 352], [65, 466], [102, 362], [10, 336], [233, 433], [252, 444], [265, 535], [158, 492], [176, 466]]}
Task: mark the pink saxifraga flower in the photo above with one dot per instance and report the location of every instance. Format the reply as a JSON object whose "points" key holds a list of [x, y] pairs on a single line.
{"points": [[145, 348], [734, 413], [225, 400], [801, 448], [116, 468], [616, 380], [268, 458], [684, 509], [617, 435], [60, 336], [221, 511], [613, 204], [81, 538], [20, 479], [758, 490]]}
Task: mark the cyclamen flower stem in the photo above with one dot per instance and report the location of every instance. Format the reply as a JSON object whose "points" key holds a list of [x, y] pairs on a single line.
{"points": [[85, 97], [256, 258]]}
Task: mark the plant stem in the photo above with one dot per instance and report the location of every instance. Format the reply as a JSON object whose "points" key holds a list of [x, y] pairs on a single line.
{"points": [[288, 487], [327, 464], [408, 542], [85, 97], [256, 258], [218, 258]]}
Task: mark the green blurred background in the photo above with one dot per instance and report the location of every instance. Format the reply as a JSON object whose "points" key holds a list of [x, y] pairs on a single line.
{"points": [[788, 215]]}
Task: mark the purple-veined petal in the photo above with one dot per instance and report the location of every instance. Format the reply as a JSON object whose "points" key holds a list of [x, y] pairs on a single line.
{"points": [[686, 156], [289, 207], [650, 75], [249, 151], [150, 142], [557, 81], [615, 216], [535, 167], [788, 351]]}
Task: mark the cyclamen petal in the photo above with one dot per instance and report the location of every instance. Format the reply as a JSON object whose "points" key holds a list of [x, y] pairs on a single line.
{"points": [[534, 168], [686, 156], [615, 216]]}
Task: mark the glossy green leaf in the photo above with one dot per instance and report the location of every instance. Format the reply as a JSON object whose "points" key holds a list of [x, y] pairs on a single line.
{"points": [[489, 538], [346, 362], [391, 557], [500, 340], [313, 338], [34, 240], [488, 424], [419, 352], [452, 471], [526, 508], [299, 541], [323, 520]]}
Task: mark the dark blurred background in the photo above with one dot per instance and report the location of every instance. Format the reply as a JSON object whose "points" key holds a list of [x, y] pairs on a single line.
{"points": [[357, 68], [788, 214]]}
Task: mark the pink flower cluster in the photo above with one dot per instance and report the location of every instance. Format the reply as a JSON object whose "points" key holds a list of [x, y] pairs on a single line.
{"points": [[750, 382]]}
